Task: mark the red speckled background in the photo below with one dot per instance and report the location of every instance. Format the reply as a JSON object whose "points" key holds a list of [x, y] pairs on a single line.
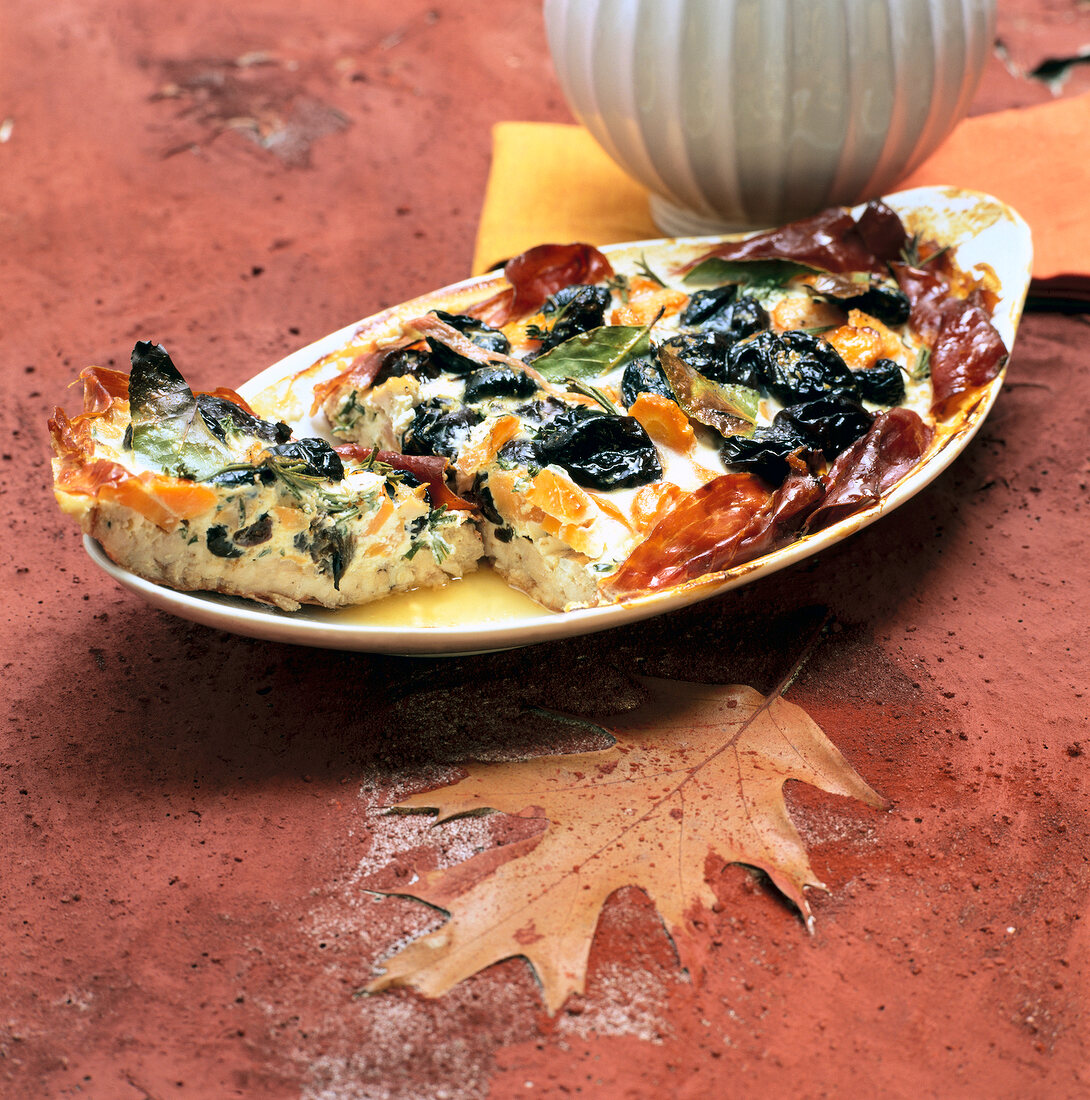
{"points": [[191, 821]]}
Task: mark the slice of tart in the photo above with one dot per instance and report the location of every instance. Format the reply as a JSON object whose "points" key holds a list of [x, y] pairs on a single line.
{"points": [[196, 492]]}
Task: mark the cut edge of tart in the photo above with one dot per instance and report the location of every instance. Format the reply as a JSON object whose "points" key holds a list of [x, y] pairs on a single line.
{"points": [[196, 492]]}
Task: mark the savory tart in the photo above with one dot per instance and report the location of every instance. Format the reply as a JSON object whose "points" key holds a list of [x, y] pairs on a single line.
{"points": [[595, 432]]}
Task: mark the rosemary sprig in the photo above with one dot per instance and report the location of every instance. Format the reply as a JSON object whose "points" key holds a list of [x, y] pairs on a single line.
{"points": [[644, 269], [577, 385]]}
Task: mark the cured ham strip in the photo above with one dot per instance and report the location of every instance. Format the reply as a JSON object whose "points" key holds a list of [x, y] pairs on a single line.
{"points": [[966, 349], [439, 330], [101, 386], [430, 469], [699, 535], [872, 465], [830, 241], [536, 275], [360, 373]]}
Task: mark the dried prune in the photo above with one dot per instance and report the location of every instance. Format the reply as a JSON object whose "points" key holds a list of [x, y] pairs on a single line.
{"points": [[573, 310], [317, 457], [406, 361], [889, 304], [643, 375], [792, 367], [828, 424], [498, 382], [220, 544], [600, 451], [705, 304], [706, 353], [884, 383], [734, 316], [439, 428]]}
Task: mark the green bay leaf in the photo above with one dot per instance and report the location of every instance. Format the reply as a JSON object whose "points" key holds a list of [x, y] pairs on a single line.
{"points": [[594, 353], [764, 273]]}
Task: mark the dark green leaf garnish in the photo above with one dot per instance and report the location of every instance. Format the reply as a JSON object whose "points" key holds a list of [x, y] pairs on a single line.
{"points": [[576, 385], [921, 369], [168, 431], [594, 353], [759, 274]]}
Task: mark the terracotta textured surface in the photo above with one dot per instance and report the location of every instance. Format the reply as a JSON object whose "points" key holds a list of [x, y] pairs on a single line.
{"points": [[191, 820]]}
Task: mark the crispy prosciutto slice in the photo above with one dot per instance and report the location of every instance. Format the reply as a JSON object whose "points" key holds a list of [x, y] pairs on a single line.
{"points": [[831, 240], [872, 465], [430, 469], [966, 350], [537, 274]]}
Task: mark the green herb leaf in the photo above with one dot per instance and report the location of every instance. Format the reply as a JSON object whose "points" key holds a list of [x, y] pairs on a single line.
{"points": [[921, 369], [594, 353], [619, 283], [168, 431], [772, 274]]}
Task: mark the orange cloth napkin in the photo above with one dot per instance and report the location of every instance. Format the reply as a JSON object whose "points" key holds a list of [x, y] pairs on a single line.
{"points": [[552, 182]]}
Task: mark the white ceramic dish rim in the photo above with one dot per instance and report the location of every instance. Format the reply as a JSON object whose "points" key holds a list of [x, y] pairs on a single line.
{"points": [[1011, 263]]}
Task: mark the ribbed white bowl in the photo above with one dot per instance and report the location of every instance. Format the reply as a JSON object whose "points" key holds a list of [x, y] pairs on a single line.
{"points": [[746, 113]]}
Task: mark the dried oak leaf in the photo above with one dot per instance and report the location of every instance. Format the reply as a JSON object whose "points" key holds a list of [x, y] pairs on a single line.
{"points": [[697, 771]]}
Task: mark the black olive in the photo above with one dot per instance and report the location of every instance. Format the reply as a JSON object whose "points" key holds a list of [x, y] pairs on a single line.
{"points": [[600, 451], [406, 361], [705, 304], [889, 304], [706, 353], [577, 308], [484, 336], [644, 375], [258, 532], [318, 457], [224, 416], [439, 428], [828, 424], [498, 382], [220, 545], [884, 383]]}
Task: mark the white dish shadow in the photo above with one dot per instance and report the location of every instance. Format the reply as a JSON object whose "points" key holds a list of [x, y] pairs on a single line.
{"points": [[988, 233]]}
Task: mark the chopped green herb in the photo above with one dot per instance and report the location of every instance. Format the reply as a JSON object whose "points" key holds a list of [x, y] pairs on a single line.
{"points": [[619, 283], [431, 539], [921, 369]]}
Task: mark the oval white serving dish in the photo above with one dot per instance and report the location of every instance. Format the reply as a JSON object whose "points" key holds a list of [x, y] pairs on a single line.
{"points": [[982, 230]]}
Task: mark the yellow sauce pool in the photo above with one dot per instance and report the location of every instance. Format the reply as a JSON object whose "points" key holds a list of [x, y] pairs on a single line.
{"points": [[478, 599]]}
